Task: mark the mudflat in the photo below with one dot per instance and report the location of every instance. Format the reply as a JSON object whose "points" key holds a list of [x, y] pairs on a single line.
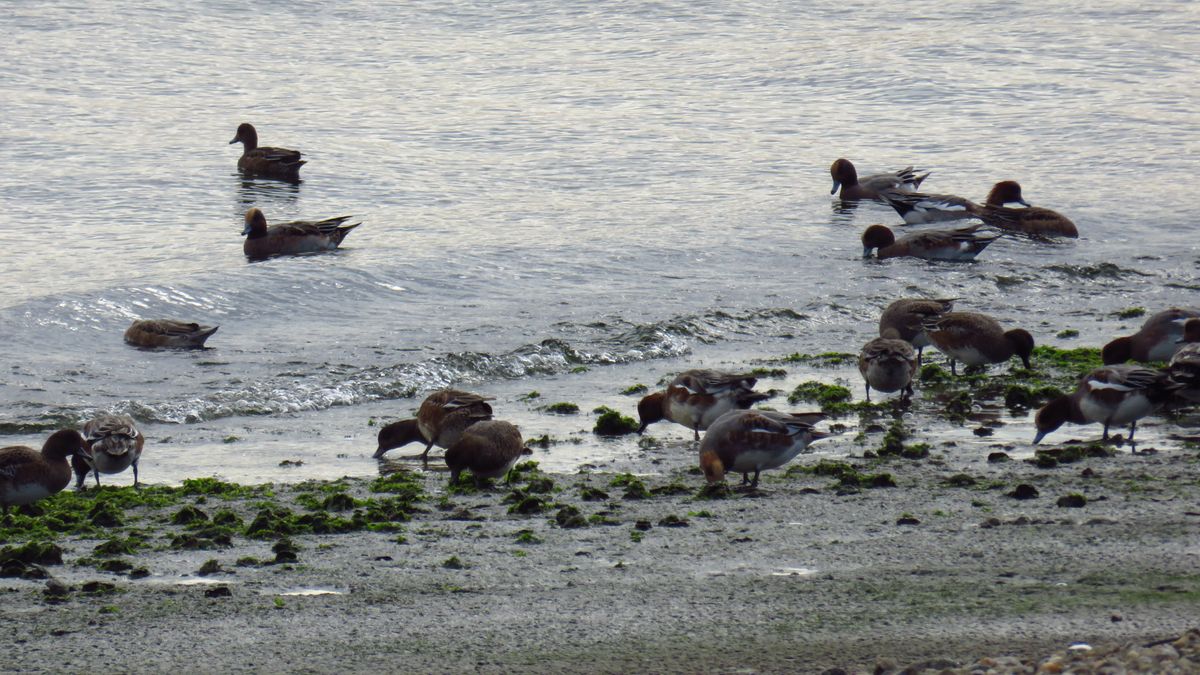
{"points": [[855, 563]]}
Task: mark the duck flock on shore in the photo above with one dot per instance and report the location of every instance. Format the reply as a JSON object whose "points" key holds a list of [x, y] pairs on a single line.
{"points": [[737, 438]]}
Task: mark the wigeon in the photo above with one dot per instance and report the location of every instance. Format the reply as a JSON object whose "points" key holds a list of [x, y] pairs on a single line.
{"points": [[957, 245], [488, 449], [746, 441], [114, 444], [1111, 395], [1184, 368], [917, 208], [907, 317], [846, 177], [27, 475], [1033, 220], [168, 333], [440, 421], [265, 161], [888, 364], [1156, 340], [696, 398], [977, 339], [292, 238]]}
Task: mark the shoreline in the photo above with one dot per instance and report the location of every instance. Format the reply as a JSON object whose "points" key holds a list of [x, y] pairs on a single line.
{"points": [[603, 572]]}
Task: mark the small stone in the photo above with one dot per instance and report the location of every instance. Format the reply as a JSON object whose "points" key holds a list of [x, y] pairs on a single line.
{"points": [[1024, 491], [997, 457], [982, 432], [218, 592], [642, 525]]}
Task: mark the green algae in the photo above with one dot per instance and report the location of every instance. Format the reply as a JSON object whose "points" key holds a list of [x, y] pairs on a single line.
{"points": [[612, 423], [562, 408]]}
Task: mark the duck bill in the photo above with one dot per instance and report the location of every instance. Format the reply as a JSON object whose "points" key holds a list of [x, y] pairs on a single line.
{"points": [[235, 140], [1040, 435], [836, 185]]}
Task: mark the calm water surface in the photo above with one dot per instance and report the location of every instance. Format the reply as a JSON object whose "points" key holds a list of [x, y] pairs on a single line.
{"points": [[562, 197]]}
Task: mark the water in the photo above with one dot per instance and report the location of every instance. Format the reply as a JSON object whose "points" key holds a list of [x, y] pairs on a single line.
{"points": [[547, 186]]}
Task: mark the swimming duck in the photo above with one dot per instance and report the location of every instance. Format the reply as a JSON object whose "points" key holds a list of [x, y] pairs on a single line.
{"points": [[292, 238], [1110, 395], [440, 421], [1156, 340], [1033, 220], [748, 441], [977, 339], [846, 177], [167, 333], [888, 364], [488, 449], [957, 245], [696, 398], [114, 444], [266, 161], [27, 475], [907, 317]]}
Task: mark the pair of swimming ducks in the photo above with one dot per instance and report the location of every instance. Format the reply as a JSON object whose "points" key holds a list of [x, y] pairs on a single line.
{"points": [[900, 190], [292, 238]]}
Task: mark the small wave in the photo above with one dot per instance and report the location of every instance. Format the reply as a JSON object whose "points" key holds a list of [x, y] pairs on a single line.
{"points": [[316, 386]]}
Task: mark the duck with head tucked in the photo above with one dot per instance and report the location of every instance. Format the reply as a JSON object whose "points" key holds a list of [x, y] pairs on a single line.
{"points": [[294, 238], [487, 449], [845, 176], [266, 161], [748, 441], [1157, 340], [1184, 368], [961, 245], [977, 339], [696, 398], [151, 333], [907, 316], [27, 475], [1110, 395], [888, 364], [114, 444]]}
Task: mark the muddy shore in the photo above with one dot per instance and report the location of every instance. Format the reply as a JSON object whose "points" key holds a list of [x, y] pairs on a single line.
{"points": [[826, 565]]}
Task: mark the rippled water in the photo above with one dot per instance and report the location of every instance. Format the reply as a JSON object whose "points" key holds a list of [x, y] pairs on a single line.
{"points": [[634, 188]]}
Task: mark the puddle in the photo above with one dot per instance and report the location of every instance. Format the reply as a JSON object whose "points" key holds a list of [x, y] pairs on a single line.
{"points": [[794, 572], [307, 592]]}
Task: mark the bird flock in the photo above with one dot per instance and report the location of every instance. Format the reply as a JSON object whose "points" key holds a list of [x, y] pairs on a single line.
{"points": [[737, 438]]}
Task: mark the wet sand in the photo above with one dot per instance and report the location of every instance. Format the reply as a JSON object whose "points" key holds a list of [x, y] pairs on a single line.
{"points": [[802, 575]]}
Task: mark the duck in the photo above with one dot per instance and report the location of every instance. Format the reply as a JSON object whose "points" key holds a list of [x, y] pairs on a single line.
{"points": [[919, 208], [266, 161], [749, 441], [907, 316], [845, 176], [27, 475], [292, 238], [1032, 220], [488, 449], [1184, 367], [152, 333], [888, 363], [1110, 395], [959, 245], [442, 418], [1156, 340], [696, 398], [977, 339], [114, 444]]}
